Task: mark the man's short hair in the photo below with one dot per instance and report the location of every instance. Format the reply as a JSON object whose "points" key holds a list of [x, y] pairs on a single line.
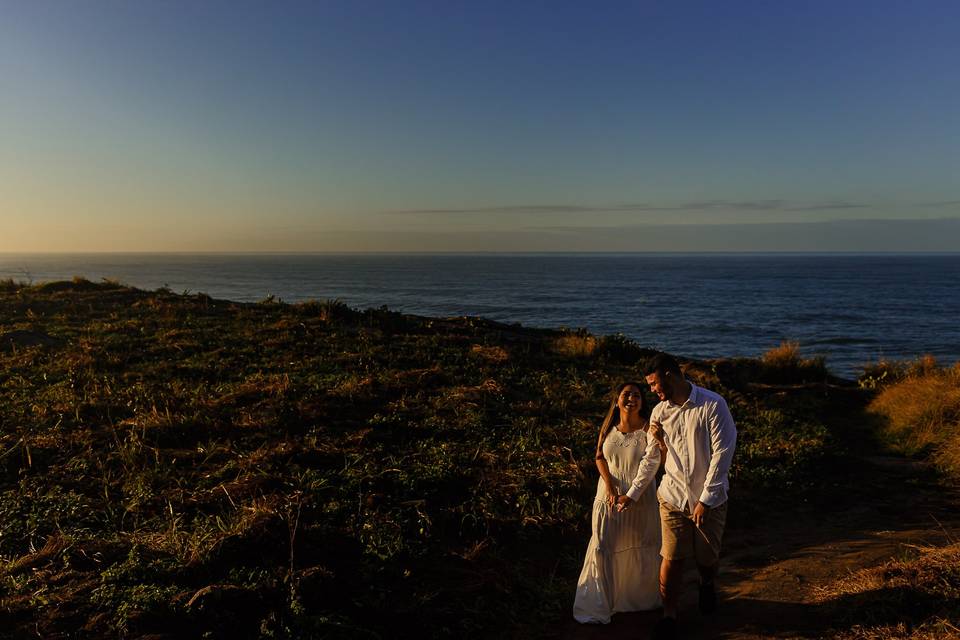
{"points": [[662, 363]]}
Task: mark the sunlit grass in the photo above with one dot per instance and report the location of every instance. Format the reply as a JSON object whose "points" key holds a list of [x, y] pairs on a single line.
{"points": [[785, 363], [921, 408], [576, 345]]}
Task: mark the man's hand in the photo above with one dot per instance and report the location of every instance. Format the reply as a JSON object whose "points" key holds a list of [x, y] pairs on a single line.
{"points": [[623, 502], [700, 514]]}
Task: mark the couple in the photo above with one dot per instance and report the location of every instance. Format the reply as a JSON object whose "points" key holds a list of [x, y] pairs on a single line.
{"points": [[635, 557]]}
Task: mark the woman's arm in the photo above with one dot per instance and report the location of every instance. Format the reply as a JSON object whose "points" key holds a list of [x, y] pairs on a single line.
{"points": [[612, 491]]}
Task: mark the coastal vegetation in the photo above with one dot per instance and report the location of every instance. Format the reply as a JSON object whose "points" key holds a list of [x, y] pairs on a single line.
{"points": [[916, 597], [919, 403], [176, 465]]}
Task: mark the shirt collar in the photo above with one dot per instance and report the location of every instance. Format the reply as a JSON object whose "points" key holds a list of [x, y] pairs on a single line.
{"points": [[694, 398]]}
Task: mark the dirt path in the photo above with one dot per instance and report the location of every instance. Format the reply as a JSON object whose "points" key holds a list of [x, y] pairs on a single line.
{"points": [[770, 572]]}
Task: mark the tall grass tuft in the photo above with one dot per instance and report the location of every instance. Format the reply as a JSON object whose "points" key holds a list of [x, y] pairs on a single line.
{"points": [[785, 355], [11, 285], [785, 364], [576, 345], [885, 372], [922, 412]]}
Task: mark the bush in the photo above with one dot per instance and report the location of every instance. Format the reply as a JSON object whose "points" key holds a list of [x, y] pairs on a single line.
{"points": [[621, 349]]}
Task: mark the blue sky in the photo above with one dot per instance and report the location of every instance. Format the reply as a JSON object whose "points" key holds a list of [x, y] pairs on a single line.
{"points": [[453, 126]]}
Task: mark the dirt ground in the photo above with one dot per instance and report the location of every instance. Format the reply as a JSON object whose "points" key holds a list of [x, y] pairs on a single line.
{"points": [[884, 508]]}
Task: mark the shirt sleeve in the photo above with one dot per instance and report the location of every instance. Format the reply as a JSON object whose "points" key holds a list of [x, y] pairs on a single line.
{"points": [[655, 412], [723, 440], [647, 471]]}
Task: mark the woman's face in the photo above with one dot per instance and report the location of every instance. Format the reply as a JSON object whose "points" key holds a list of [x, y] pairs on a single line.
{"points": [[630, 399]]}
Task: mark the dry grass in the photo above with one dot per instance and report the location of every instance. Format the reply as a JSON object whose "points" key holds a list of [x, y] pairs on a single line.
{"points": [[785, 355], [785, 364], [915, 599], [934, 630], [922, 413], [473, 393], [575, 345], [494, 354], [885, 372]]}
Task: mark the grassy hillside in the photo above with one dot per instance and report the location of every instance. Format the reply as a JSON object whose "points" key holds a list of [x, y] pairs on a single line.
{"points": [[173, 464]]}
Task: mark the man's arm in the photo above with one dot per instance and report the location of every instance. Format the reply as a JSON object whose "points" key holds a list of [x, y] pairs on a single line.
{"points": [[648, 469], [723, 440], [645, 474], [633, 493]]}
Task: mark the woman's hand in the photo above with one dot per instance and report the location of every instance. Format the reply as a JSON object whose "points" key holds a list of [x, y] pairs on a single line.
{"points": [[656, 432], [612, 495]]}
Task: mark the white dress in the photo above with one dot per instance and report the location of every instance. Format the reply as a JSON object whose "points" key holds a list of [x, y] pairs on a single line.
{"points": [[621, 569]]}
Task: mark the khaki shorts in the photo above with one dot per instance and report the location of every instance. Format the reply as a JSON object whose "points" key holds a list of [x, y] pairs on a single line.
{"points": [[682, 539]]}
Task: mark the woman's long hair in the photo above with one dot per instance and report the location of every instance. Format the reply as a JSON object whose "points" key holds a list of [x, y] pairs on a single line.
{"points": [[613, 413]]}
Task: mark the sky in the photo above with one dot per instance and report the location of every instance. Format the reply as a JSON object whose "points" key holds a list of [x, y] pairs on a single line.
{"points": [[479, 126]]}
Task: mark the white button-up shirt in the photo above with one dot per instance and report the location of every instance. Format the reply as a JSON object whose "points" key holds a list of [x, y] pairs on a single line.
{"points": [[700, 436]]}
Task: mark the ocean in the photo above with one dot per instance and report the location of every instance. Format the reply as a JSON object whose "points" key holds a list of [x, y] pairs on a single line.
{"points": [[852, 309]]}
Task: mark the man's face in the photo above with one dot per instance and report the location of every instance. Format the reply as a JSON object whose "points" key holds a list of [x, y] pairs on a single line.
{"points": [[659, 385]]}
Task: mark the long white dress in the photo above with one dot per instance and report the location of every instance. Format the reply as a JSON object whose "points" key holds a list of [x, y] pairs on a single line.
{"points": [[621, 569]]}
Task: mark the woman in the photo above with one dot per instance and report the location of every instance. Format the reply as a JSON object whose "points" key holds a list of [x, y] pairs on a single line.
{"points": [[620, 572]]}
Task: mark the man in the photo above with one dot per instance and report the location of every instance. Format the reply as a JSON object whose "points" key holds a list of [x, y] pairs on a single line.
{"points": [[696, 428]]}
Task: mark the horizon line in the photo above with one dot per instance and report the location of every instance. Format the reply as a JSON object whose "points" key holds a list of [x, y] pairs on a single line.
{"points": [[503, 253]]}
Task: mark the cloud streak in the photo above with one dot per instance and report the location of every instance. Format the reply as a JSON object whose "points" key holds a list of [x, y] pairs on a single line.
{"points": [[943, 204], [873, 235], [705, 205], [866, 223]]}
